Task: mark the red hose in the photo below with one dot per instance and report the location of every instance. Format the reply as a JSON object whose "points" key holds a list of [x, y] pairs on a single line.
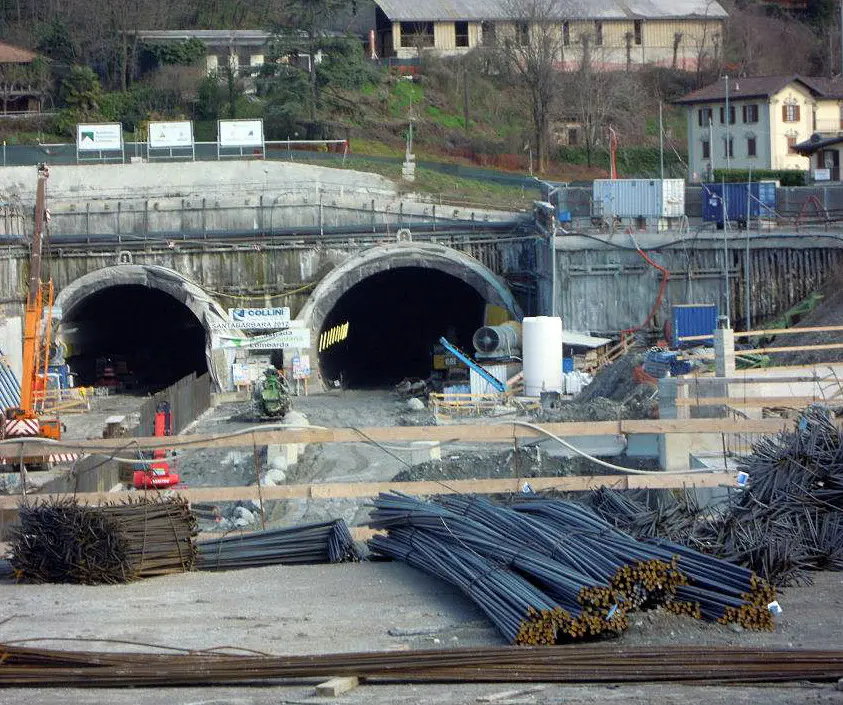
{"points": [[659, 296]]}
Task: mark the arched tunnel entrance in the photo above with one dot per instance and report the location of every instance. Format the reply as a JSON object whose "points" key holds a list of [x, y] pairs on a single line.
{"points": [[398, 300], [395, 317], [133, 338], [150, 324]]}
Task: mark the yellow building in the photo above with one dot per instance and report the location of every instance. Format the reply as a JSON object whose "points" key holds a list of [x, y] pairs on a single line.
{"points": [[759, 122], [619, 34]]}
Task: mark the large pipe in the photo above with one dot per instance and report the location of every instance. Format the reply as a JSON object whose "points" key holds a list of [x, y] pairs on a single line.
{"points": [[498, 341]]}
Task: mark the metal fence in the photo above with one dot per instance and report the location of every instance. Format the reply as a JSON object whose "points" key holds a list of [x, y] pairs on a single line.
{"points": [[188, 399]]}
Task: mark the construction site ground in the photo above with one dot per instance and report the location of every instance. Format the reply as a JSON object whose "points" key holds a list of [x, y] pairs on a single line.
{"points": [[365, 606]]}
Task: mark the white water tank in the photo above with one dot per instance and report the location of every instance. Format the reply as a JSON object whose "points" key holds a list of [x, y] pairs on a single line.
{"points": [[542, 354]]}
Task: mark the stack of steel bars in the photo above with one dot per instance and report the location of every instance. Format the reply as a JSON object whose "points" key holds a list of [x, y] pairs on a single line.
{"points": [[43, 668], [64, 541], [546, 570], [324, 542], [787, 520], [646, 513]]}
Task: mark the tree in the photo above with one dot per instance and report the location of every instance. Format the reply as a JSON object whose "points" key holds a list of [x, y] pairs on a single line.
{"points": [[596, 99], [302, 28], [81, 90], [530, 47]]}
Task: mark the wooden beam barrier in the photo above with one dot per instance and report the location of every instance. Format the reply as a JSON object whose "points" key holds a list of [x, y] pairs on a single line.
{"points": [[463, 433], [690, 381], [360, 490], [771, 331], [750, 402]]}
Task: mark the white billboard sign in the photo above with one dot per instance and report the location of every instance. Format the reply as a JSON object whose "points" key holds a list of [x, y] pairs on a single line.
{"points": [[281, 340], [164, 135], [260, 318], [240, 133], [103, 137]]}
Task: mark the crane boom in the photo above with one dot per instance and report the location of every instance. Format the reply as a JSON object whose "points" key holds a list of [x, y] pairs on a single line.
{"points": [[33, 352], [25, 420]]}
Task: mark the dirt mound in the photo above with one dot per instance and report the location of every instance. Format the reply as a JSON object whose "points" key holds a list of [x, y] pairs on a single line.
{"points": [[526, 462], [828, 313]]}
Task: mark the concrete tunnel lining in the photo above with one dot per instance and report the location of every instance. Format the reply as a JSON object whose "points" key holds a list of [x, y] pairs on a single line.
{"points": [[207, 312], [383, 258]]}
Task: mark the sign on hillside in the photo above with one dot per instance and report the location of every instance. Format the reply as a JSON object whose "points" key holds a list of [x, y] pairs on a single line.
{"points": [[240, 133], [171, 135], [100, 137]]}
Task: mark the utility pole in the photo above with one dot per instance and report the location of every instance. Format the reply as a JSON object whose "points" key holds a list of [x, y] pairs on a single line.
{"points": [[728, 123], [661, 138]]}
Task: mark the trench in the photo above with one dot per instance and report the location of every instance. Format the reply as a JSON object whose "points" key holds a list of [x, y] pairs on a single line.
{"points": [[394, 319], [132, 338]]}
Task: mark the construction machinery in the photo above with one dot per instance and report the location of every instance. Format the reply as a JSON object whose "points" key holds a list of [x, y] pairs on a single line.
{"points": [[157, 474], [28, 420], [272, 395]]}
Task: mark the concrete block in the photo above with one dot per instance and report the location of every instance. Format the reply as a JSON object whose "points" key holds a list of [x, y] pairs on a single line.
{"points": [[423, 451]]}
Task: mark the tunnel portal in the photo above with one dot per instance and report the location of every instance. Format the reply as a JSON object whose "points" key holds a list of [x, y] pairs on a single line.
{"points": [[394, 318], [132, 338]]}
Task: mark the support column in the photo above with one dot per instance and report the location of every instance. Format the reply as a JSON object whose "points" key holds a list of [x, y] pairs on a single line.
{"points": [[674, 448]]}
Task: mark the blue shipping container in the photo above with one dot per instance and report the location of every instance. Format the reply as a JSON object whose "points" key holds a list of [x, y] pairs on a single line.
{"points": [[693, 319], [762, 201]]}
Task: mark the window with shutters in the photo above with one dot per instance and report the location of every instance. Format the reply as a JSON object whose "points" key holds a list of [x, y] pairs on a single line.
{"points": [[566, 33], [790, 113], [598, 33], [706, 149], [751, 147], [791, 144], [750, 113], [638, 27], [728, 148], [704, 116], [731, 115], [522, 33]]}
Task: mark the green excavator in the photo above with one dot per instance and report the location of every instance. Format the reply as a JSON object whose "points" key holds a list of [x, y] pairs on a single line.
{"points": [[272, 396]]}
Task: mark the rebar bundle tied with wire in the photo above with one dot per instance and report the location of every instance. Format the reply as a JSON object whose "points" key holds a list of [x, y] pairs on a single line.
{"points": [[63, 541], [323, 542], [546, 571]]}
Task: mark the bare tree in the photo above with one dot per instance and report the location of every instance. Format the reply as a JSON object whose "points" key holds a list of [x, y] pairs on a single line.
{"points": [[531, 45], [596, 99]]}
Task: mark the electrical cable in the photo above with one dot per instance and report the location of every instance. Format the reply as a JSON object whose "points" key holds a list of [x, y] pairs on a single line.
{"points": [[597, 461]]}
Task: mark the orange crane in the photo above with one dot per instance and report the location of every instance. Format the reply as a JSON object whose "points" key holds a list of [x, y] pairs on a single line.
{"points": [[37, 328]]}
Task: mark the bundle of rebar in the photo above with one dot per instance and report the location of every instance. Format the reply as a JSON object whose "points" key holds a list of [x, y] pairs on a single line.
{"points": [[67, 542], [323, 542], [45, 668], [785, 522], [546, 571]]}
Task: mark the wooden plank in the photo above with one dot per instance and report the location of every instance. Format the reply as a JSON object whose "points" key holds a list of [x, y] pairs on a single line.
{"points": [[714, 381], [337, 686], [794, 348], [771, 331], [462, 433], [751, 402], [350, 490]]}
